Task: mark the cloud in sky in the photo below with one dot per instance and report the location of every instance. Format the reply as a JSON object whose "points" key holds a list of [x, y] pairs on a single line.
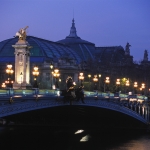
{"points": [[103, 22]]}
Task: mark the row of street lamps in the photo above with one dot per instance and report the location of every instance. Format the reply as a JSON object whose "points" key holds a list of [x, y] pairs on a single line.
{"points": [[55, 73], [107, 81], [9, 82]]}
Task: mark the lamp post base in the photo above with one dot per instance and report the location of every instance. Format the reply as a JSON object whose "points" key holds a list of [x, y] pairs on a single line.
{"points": [[35, 85]]}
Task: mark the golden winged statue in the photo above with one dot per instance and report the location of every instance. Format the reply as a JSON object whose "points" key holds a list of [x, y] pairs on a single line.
{"points": [[22, 33]]}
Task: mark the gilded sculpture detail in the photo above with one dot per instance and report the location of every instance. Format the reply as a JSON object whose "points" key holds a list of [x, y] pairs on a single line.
{"points": [[22, 34]]}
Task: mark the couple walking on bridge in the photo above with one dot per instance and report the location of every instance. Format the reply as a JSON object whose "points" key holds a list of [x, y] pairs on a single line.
{"points": [[73, 93]]}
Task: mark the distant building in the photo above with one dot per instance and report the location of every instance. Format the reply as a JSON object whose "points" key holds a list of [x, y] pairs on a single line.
{"points": [[71, 55]]}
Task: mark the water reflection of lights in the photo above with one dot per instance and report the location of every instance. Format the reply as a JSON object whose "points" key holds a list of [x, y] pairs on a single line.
{"points": [[85, 138], [79, 131]]}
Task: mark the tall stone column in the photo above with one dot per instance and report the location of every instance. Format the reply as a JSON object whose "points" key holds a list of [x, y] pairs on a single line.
{"points": [[22, 65]]}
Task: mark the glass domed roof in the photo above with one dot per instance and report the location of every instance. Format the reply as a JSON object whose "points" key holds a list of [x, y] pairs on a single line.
{"points": [[72, 47], [112, 54], [41, 50]]}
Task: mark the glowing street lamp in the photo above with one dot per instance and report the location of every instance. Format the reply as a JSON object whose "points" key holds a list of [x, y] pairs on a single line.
{"points": [[107, 81], [99, 76], [56, 75], [143, 87], [51, 76], [118, 83], [9, 71], [51, 66], [35, 74], [89, 76], [127, 83], [95, 79], [3, 85], [135, 86], [81, 78]]}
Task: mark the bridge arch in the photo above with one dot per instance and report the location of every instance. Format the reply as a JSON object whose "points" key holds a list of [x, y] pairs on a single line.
{"points": [[29, 105]]}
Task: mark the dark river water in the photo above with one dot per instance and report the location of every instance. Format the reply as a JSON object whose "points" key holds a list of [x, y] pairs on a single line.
{"points": [[73, 128], [52, 138]]}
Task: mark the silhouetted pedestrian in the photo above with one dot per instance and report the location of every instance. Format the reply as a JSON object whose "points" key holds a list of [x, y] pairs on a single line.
{"points": [[80, 94]]}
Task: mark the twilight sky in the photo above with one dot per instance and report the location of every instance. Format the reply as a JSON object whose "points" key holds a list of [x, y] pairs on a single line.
{"points": [[103, 22]]}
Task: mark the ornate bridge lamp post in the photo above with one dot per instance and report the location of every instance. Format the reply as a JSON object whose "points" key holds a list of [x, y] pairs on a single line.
{"points": [[140, 90], [89, 76], [7, 83], [35, 74], [95, 79], [56, 75], [3, 85], [51, 76], [81, 78], [99, 76], [118, 84], [9, 71], [127, 84], [143, 88], [107, 81], [135, 86]]}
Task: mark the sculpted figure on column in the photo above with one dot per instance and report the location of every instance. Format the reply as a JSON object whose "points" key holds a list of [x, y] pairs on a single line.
{"points": [[22, 34]]}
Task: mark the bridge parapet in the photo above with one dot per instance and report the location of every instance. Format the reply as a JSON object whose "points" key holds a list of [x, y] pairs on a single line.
{"points": [[48, 92], [90, 93], [4, 92], [26, 92], [16, 94]]}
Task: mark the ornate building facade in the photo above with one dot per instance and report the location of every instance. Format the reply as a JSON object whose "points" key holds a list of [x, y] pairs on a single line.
{"points": [[73, 55]]}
